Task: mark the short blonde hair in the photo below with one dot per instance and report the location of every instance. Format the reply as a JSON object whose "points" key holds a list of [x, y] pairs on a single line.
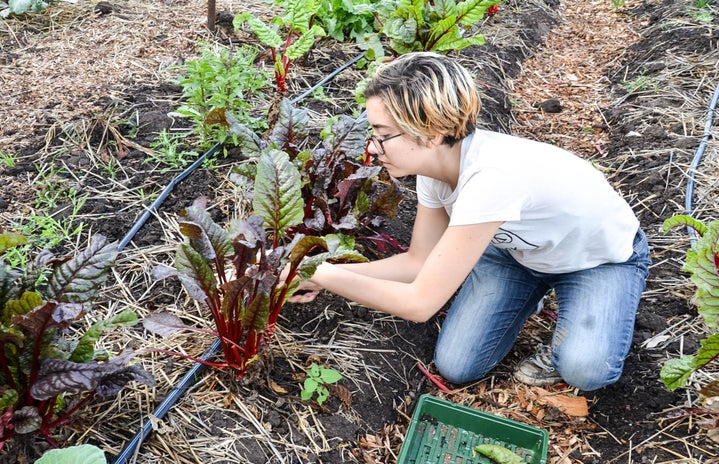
{"points": [[428, 94]]}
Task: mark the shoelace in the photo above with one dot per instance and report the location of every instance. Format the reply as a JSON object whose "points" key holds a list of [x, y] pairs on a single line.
{"points": [[543, 358]]}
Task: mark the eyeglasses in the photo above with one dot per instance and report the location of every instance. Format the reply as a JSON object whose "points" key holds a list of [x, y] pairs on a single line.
{"points": [[379, 143]]}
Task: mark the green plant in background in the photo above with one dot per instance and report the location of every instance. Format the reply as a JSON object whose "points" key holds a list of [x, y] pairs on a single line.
{"points": [[46, 231], [42, 362], [642, 82], [316, 382], [439, 26], [702, 11], [7, 159], [80, 454], [168, 151], [702, 263], [221, 80], [289, 36], [18, 7]]}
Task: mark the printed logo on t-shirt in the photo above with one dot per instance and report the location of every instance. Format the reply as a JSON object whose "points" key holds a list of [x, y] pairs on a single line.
{"points": [[511, 241]]}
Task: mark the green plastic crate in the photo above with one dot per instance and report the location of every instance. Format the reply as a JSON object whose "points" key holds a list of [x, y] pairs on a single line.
{"points": [[442, 432]]}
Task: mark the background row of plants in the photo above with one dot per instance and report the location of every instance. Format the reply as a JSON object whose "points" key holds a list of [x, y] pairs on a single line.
{"points": [[313, 197]]}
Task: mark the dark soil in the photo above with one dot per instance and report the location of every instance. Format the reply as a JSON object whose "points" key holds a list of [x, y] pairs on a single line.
{"points": [[629, 411]]}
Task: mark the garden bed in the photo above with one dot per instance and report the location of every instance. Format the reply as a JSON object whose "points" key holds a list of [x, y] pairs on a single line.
{"points": [[89, 86]]}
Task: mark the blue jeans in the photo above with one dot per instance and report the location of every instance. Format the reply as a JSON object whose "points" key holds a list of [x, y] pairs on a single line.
{"points": [[594, 327]]}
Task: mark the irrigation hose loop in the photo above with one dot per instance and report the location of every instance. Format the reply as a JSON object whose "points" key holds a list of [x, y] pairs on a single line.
{"points": [[697, 158], [165, 193]]}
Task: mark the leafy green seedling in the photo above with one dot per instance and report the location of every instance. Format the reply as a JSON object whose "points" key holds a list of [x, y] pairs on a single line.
{"points": [[318, 377], [289, 35]]}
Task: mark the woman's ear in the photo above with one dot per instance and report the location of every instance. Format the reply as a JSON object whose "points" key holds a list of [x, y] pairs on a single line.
{"points": [[436, 140]]}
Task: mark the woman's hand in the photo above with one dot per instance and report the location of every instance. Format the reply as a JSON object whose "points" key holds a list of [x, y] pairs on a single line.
{"points": [[306, 292]]}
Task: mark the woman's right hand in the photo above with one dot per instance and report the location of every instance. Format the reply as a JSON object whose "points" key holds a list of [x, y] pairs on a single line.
{"points": [[305, 292]]}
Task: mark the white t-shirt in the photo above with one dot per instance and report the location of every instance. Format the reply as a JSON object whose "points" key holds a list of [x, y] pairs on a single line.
{"points": [[561, 214]]}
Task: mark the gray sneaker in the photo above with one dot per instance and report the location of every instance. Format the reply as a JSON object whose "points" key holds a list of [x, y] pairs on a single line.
{"points": [[537, 370]]}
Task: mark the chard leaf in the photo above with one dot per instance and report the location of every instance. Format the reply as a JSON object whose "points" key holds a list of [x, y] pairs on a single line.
{"points": [[37, 321], [448, 42], [676, 372], [233, 305], [85, 349], [290, 126], [683, 220], [80, 279], [195, 273], [266, 34], [26, 419], [8, 276], [10, 240], [708, 352], [304, 43], [164, 324], [470, 12], [58, 376], [80, 454], [258, 312], [345, 134], [213, 234], [192, 286], [111, 383], [26, 303], [299, 13], [278, 196], [249, 143]]}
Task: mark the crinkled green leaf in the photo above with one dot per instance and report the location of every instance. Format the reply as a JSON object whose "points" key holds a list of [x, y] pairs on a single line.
{"points": [[683, 220], [265, 33], [448, 43], [291, 126], [26, 303], [85, 349], [80, 454], [470, 12], [278, 196], [195, 273], [10, 240], [676, 372], [9, 398], [304, 43], [80, 279], [211, 236], [299, 14]]}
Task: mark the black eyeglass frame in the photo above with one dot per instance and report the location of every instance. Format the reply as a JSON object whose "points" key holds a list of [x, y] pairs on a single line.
{"points": [[379, 143]]}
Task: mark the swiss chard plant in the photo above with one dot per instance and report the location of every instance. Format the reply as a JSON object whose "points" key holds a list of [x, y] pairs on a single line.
{"points": [[702, 264], [289, 36], [342, 192], [439, 26], [246, 271], [41, 362]]}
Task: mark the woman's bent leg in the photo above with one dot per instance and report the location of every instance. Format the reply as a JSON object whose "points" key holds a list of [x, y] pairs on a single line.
{"points": [[597, 308], [486, 316]]}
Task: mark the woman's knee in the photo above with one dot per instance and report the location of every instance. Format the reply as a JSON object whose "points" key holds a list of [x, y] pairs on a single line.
{"points": [[589, 374]]}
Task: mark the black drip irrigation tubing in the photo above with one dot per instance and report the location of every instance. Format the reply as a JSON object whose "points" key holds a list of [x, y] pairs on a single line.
{"points": [[133, 446], [697, 158]]}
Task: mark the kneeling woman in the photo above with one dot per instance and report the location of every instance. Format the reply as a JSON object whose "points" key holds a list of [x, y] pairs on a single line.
{"points": [[503, 220]]}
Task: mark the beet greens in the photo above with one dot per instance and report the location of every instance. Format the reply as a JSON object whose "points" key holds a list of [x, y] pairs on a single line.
{"points": [[40, 364]]}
